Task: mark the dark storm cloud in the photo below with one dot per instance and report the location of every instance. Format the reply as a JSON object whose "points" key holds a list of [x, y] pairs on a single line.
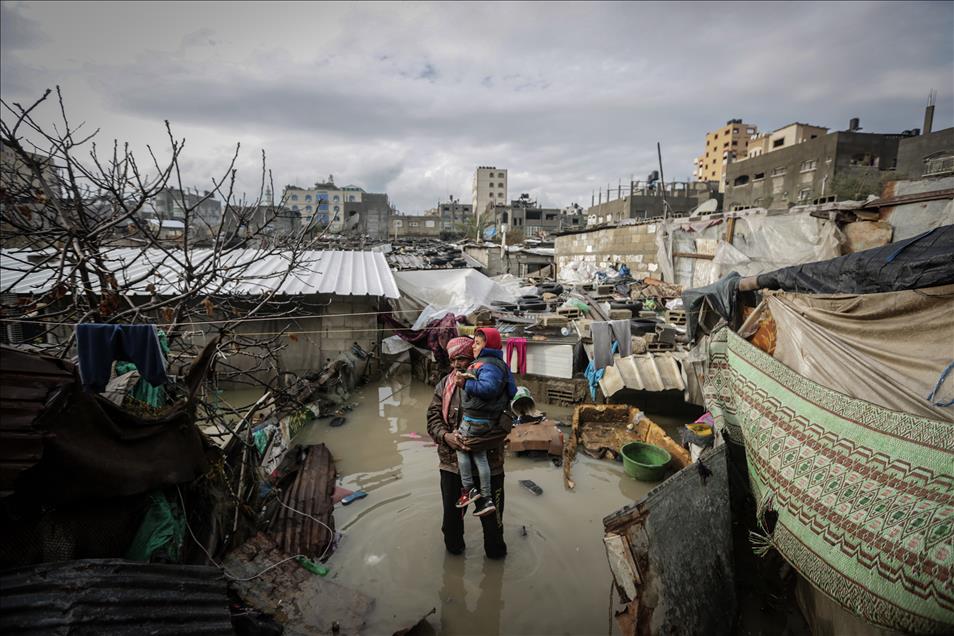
{"points": [[569, 97]]}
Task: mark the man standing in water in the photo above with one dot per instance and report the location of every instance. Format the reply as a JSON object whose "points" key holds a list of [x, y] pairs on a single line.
{"points": [[443, 418]]}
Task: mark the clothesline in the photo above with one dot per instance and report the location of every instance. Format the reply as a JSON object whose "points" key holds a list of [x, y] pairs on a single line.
{"points": [[222, 322]]}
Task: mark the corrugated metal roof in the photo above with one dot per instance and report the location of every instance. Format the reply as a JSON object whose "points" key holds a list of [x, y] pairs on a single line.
{"points": [[318, 272], [27, 380], [112, 596], [419, 261]]}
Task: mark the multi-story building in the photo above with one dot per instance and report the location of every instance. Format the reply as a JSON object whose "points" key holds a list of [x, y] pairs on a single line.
{"points": [[452, 210], [322, 205], [839, 165], [723, 147], [785, 137], [525, 216], [489, 189], [573, 216], [171, 204]]}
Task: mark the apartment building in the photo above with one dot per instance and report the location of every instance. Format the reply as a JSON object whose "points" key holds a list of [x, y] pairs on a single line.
{"points": [[785, 137], [722, 147], [489, 189], [323, 204]]}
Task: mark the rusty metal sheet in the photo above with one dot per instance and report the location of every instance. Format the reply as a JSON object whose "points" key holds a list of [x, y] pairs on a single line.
{"points": [[311, 494], [27, 383], [112, 596]]}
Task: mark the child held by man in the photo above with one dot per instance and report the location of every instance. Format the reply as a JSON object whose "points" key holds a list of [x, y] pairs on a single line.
{"points": [[488, 386]]}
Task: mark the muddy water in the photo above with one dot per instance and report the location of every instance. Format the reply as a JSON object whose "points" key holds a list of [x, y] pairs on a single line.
{"points": [[555, 579]]}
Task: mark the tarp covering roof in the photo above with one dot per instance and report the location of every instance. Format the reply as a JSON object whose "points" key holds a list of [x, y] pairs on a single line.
{"points": [[926, 260], [357, 273], [112, 596]]}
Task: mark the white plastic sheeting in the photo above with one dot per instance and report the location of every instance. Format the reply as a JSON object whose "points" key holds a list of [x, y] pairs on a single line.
{"points": [[761, 243], [436, 293], [581, 273]]}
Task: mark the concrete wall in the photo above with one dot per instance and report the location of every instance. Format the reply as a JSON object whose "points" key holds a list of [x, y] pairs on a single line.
{"points": [[913, 150], [634, 245], [423, 226]]}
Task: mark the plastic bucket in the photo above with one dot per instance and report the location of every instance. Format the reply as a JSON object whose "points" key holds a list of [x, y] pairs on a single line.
{"points": [[644, 462]]}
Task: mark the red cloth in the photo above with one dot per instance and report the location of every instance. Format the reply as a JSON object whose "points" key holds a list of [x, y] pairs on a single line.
{"points": [[492, 337]]}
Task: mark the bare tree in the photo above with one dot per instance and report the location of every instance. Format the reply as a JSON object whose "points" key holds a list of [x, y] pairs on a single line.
{"points": [[81, 222]]}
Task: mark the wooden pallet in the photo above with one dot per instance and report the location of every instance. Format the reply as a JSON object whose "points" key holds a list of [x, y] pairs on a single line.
{"points": [[565, 393]]}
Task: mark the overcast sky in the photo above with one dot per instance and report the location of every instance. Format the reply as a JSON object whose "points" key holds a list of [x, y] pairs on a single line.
{"points": [[409, 98]]}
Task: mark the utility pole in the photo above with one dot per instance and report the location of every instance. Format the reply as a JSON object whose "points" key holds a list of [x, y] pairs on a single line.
{"points": [[662, 181]]}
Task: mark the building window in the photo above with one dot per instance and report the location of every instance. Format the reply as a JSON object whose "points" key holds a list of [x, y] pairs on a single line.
{"points": [[735, 143], [428, 223], [778, 143], [804, 194], [735, 131], [491, 195], [413, 223], [809, 165], [294, 197], [336, 207], [758, 176], [336, 198], [350, 197], [741, 180], [295, 208], [778, 172], [308, 208], [398, 223], [501, 175]]}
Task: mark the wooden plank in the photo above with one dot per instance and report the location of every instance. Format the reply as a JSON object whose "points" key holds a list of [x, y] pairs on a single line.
{"points": [[707, 257]]}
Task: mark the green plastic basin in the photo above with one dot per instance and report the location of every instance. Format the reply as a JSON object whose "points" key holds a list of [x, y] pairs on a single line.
{"points": [[644, 462]]}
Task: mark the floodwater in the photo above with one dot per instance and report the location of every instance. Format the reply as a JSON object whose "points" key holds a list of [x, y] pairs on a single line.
{"points": [[555, 579]]}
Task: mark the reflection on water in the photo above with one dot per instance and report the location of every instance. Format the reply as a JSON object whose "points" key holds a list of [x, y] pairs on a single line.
{"points": [[555, 579]]}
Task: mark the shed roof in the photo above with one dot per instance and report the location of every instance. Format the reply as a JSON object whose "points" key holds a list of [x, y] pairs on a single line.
{"points": [[343, 273]]}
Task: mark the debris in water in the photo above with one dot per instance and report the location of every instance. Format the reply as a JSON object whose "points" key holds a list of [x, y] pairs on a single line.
{"points": [[311, 566], [358, 494], [523, 531], [531, 486], [337, 421]]}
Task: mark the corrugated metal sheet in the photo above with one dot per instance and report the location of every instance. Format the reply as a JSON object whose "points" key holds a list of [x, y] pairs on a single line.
{"points": [[320, 272], [310, 494], [112, 596], [649, 372], [419, 261], [27, 381]]}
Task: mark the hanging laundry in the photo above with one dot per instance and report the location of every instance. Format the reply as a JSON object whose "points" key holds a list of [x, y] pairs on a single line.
{"points": [[520, 346], [99, 345], [623, 335]]}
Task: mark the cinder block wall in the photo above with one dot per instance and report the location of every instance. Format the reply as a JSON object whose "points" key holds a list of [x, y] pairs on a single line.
{"points": [[634, 245]]}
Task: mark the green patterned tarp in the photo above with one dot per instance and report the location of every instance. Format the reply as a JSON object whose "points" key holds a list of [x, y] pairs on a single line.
{"points": [[864, 495]]}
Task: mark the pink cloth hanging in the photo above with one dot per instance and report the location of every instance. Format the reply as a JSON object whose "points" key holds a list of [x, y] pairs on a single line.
{"points": [[520, 346]]}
